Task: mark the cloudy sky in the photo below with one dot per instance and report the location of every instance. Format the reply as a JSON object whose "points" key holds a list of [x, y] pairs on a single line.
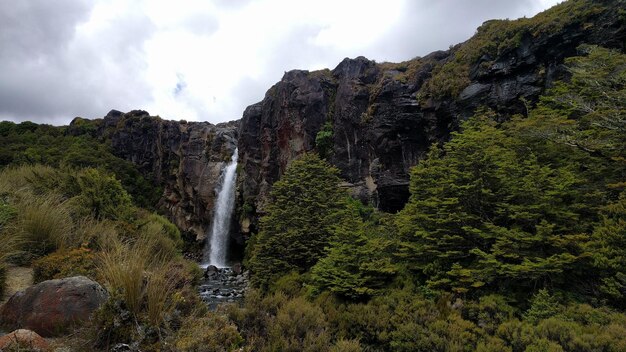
{"points": [[206, 59]]}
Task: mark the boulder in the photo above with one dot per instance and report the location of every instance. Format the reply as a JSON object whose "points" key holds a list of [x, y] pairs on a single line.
{"points": [[51, 307], [237, 269], [23, 339], [212, 272]]}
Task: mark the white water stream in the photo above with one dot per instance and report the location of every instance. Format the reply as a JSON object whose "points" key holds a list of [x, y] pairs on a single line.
{"points": [[217, 246]]}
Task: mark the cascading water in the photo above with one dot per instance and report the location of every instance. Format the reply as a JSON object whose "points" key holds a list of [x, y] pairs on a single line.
{"points": [[215, 252]]}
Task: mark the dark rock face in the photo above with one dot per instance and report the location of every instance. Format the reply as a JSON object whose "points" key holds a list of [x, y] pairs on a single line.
{"points": [[384, 121], [186, 158], [51, 307]]}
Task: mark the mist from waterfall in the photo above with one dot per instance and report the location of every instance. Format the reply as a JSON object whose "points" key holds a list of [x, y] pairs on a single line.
{"points": [[217, 246]]}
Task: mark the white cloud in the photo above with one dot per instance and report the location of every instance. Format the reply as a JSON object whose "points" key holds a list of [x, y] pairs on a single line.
{"points": [[206, 60]]}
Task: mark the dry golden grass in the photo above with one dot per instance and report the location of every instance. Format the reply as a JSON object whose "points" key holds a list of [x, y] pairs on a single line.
{"points": [[123, 267], [159, 288]]}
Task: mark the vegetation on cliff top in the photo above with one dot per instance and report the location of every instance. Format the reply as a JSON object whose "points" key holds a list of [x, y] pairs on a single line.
{"points": [[496, 37]]}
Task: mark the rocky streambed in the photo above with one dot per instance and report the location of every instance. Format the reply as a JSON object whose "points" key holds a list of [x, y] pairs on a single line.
{"points": [[223, 285]]}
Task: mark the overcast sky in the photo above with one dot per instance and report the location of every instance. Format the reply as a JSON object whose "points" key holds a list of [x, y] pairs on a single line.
{"points": [[206, 60]]}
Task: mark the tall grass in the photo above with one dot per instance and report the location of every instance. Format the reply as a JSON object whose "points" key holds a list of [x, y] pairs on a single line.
{"points": [[159, 288], [34, 178], [95, 234], [122, 267], [44, 223]]}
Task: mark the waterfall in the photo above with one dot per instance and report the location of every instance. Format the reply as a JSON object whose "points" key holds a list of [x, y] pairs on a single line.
{"points": [[215, 252]]}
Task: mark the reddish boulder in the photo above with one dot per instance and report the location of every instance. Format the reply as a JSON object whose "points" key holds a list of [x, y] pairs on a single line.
{"points": [[23, 340], [51, 307]]}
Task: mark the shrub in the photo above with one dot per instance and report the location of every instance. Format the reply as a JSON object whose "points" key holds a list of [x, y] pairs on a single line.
{"points": [[489, 312], [347, 346], [299, 326], [164, 235], [212, 333], [324, 141], [103, 196], [65, 263], [170, 230]]}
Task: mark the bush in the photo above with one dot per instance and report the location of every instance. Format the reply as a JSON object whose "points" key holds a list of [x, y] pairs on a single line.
{"points": [[103, 196], [324, 141], [347, 346], [212, 333], [298, 326], [65, 263]]}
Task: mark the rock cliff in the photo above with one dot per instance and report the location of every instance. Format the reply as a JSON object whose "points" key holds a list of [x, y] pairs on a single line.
{"points": [[185, 158], [385, 116]]}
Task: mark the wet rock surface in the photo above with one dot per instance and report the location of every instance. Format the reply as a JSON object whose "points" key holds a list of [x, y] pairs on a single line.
{"points": [[223, 285]]}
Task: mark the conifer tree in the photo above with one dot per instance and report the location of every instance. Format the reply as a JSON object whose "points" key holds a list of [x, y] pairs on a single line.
{"points": [[358, 263], [296, 228], [485, 215]]}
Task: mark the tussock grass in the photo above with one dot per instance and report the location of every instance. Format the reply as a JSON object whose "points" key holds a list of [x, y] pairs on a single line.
{"points": [[33, 178], [95, 234], [159, 288], [10, 243], [137, 273], [44, 223], [123, 267]]}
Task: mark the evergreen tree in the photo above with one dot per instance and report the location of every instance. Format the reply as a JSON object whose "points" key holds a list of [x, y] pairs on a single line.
{"points": [[358, 263], [608, 252], [296, 229], [484, 214]]}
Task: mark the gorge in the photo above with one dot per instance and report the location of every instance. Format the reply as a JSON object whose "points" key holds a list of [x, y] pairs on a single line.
{"points": [[383, 117]]}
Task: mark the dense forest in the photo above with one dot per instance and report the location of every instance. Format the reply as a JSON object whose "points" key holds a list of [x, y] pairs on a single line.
{"points": [[513, 238]]}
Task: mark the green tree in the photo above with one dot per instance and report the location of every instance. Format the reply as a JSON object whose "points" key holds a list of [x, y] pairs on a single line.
{"points": [[324, 140], [485, 214], [296, 228], [608, 251], [359, 260], [103, 195]]}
